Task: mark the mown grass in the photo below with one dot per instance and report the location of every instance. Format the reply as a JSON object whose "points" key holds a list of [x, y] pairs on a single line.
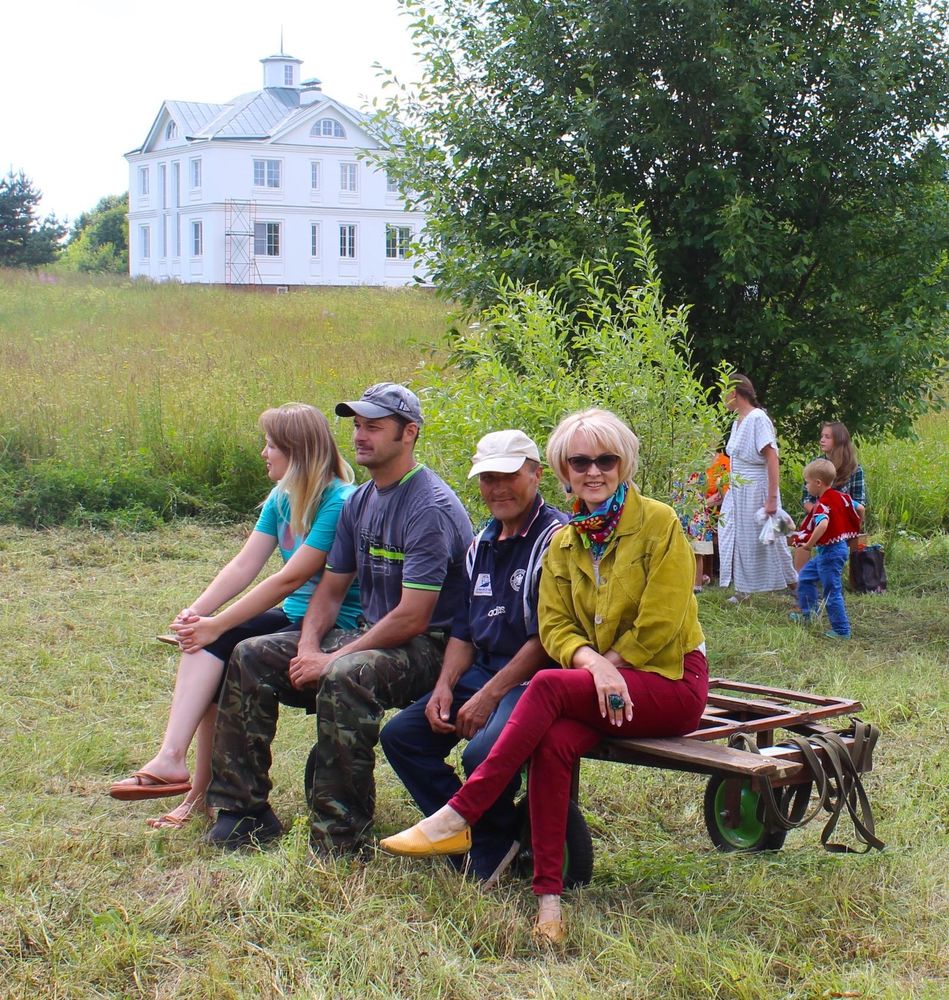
{"points": [[93, 904], [130, 403]]}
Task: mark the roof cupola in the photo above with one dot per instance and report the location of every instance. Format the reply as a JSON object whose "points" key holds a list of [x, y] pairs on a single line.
{"points": [[282, 71]]}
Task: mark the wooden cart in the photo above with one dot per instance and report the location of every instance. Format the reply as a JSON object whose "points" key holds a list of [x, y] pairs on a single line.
{"points": [[778, 753]]}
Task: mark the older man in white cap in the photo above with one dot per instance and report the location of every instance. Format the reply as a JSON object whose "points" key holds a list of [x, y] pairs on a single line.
{"points": [[493, 650]]}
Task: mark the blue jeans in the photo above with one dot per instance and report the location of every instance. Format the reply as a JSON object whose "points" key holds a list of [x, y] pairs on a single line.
{"points": [[417, 755], [826, 566]]}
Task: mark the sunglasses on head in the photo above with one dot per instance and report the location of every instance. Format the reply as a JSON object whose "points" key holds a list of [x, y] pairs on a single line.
{"points": [[581, 463]]}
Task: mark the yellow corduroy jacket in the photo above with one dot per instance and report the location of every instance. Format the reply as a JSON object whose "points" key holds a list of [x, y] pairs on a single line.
{"points": [[642, 606]]}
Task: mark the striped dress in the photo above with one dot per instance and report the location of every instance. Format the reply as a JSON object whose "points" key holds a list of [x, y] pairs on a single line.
{"points": [[745, 563]]}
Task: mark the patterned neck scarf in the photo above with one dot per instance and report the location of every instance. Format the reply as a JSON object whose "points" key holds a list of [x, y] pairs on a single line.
{"points": [[596, 528]]}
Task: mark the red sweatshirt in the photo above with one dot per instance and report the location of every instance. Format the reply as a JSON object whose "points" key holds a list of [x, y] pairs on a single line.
{"points": [[844, 522]]}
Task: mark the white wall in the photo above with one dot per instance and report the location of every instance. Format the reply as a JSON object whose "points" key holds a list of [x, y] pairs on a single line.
{"points": [[227, 173]]}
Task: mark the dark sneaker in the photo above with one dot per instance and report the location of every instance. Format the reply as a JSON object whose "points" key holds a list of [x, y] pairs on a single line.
{"points": [[236, 830]]}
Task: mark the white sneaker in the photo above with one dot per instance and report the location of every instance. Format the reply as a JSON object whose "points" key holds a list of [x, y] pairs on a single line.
{"points": [[492, 880]]}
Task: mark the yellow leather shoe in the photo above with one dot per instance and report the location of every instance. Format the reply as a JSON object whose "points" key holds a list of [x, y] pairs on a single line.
{"points": [[413, 843], [549, 931]]}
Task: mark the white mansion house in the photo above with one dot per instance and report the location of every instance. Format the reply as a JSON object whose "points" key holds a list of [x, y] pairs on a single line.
{"points": [[266, 190]]}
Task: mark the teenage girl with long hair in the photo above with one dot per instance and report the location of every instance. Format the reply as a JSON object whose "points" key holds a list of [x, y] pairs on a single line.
{"points": [[298, 517], [837, 447]]}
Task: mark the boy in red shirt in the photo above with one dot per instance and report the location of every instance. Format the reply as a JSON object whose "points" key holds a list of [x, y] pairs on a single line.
{"points": [[826, 529]]}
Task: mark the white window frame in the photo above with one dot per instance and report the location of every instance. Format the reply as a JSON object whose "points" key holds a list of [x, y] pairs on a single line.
{"points": [[267, 239], [348, 240], [328, 128], [392, 185], [316, 174], [197, 238], [316, 235], [194, 172], [143, 181], [171, 131], [398, 241], [268, 174], [349, 177], [145, 242], [288, 76]]}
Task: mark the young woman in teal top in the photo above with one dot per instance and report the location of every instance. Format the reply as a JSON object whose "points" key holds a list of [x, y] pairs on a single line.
{"points": [[298, 518]]}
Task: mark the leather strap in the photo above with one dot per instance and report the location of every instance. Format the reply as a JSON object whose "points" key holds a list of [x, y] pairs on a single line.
{"points": [[837, 780]]}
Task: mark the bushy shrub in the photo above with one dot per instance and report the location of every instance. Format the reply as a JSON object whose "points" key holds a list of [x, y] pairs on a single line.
{"points": [[528, 361]]}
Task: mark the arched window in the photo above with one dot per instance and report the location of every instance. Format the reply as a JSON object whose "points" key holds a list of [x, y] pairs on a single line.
{"points": [[171, 132], [328, 127]]}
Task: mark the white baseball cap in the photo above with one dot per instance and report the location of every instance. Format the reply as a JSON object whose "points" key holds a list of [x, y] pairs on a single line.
{"points": [[503, 451]]}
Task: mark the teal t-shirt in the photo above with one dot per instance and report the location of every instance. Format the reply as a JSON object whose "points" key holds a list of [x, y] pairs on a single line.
{"points": [[274, 520]]}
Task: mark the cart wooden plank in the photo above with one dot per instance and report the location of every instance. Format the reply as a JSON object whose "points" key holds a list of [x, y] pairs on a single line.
{"points": [[686, 754]]}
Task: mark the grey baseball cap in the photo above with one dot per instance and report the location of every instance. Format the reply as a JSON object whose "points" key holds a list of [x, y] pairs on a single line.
{"points": [[384, 399]]}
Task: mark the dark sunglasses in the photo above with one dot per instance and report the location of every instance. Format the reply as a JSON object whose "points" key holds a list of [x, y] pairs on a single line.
{"points": [[605, 463]]}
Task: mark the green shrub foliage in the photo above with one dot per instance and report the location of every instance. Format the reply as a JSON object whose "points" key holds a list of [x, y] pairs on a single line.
{"points": [[529, 360]]}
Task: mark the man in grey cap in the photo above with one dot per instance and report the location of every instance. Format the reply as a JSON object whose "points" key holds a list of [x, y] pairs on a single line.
{"points": [[492, 652], [403, 535]]}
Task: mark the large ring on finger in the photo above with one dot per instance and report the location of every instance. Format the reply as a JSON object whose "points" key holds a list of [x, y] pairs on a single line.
{"points": [[616, 702]]}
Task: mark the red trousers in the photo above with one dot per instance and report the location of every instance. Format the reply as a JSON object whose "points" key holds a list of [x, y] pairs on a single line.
{"points": [[555, 722]]}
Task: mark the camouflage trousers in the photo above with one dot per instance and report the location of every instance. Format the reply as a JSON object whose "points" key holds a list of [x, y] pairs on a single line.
{"points": [[349, 703]]}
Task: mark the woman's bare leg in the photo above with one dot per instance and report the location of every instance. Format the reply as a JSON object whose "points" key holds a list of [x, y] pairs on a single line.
{"points": [[198, 677], [548, 908], [193, 803], [442, 823]]}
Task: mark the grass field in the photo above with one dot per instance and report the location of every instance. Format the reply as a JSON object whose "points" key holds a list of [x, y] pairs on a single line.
{"points": [[122, 404], [129, 403], [94, 904], [116, 394]]}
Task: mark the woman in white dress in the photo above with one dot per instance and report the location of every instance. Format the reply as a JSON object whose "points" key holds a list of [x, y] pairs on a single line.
{"points": [[747, 564]]}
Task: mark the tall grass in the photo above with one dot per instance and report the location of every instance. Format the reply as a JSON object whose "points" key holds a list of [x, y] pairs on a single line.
{"points": [[908, 482], [128, 403], [116, 395]]}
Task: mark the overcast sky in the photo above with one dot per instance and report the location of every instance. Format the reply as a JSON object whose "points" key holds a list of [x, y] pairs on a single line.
{"points": [[82, 80]]}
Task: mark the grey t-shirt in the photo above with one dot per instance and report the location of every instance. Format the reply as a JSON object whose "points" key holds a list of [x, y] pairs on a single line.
{"points": [[414, 534]]}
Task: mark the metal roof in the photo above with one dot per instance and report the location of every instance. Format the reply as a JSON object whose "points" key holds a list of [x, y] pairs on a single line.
{"points": [[258, 114]]}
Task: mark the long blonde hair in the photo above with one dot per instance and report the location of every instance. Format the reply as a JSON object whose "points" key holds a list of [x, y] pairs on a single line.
{"points": [[303, 434]]}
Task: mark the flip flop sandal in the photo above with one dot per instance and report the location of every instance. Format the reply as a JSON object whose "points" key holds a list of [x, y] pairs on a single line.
{"points": [[147, 786], [172, 822]]}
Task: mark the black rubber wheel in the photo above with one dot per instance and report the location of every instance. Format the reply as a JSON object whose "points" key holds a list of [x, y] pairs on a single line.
{"points": [[750, 832], [577, 852], [308, 773]]}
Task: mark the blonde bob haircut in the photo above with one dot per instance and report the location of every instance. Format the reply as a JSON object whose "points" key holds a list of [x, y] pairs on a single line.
{"points": [[610, 436], [303, 434]]}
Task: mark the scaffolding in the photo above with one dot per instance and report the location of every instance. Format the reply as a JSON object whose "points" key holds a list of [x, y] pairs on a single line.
{"points": [[240, 264]]}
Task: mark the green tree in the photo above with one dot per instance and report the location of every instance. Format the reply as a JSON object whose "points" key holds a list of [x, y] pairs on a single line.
{"points": [[787, 153], [99, 239], [25, 241], [528, 361]]}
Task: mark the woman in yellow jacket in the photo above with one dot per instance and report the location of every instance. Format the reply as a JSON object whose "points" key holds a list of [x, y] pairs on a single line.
{"points": [[617, 610]]}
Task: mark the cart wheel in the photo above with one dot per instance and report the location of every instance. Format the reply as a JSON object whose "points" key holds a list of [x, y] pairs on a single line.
{"points": [[308, 772], [577, 848], [750, 832]]}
